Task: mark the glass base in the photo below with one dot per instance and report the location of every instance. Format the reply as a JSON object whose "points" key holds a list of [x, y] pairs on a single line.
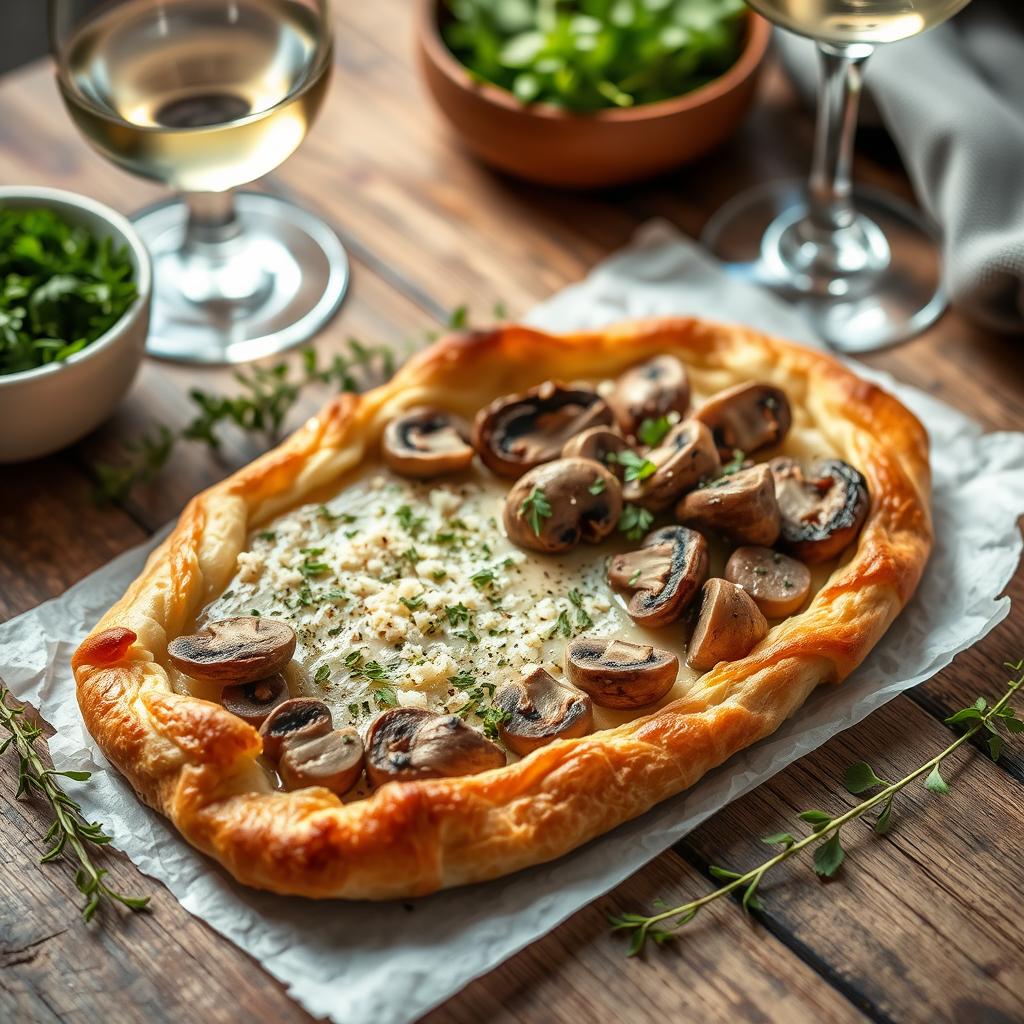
{"points": [[271, 286], [877, 284]]}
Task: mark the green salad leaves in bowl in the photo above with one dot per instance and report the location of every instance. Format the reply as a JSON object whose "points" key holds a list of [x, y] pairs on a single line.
{"points": [[74, 312], [591, 92], [592, 55]]}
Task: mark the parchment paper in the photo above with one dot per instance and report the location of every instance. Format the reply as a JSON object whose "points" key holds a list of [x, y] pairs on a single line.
{"points": [[388, 964]]}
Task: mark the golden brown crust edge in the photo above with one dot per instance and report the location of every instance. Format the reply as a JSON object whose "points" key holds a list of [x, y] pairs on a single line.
{"points": [[194, 762]]}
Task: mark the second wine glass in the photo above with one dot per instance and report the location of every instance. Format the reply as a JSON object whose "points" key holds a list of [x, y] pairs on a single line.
{"points": [[862, 265], [204, 96]]}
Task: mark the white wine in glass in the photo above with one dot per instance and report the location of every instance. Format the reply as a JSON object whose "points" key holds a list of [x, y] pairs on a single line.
{"points": [[862, 265], [204, 96]]}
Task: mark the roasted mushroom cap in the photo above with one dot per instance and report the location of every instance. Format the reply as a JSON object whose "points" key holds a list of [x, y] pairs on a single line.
{"points": [[296, 720], [555, 506], [334, 760], [414, 743], [618, 674], [234, 650], [602, 444], [664, 576], [685, 457], [822, 509], [746, 417], [539, 710], [778, 584], [517, 432], [741, 505], [426, 442], [729, 627], [252, 702], [650, 390]]}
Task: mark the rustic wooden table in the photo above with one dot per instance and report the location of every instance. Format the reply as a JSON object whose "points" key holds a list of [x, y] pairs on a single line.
{"points": [[921, 925]]}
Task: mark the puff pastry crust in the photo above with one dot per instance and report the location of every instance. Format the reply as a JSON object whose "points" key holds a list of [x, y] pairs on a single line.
{"points": [[195, 762]]}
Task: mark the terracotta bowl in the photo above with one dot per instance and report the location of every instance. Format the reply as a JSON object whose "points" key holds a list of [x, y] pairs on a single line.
{"points": [[544, 144]]}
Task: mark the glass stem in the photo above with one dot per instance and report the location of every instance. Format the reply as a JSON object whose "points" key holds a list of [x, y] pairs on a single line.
{"points": [[216, 267], [841, 80]]}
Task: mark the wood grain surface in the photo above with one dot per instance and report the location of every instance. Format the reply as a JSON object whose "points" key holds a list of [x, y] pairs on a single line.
{"points": [[915, 928]]}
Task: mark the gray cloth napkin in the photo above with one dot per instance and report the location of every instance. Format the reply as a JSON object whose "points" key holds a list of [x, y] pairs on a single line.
{"points": [[953, 102]]}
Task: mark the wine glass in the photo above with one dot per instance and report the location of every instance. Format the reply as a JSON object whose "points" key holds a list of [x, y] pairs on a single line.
{"points": [[204, 96], [863, 265]]}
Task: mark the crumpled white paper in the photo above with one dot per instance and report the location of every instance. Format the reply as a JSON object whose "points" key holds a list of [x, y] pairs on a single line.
{"points": [[389, 964]]}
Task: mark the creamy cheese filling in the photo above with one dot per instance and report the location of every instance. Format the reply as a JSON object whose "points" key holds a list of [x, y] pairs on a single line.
{"points": [[404, 593]]}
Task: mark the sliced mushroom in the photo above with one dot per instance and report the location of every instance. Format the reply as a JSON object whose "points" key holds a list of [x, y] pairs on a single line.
{"points": [[685, 457], [238, 650], [618, 674], [729, 627], [822, 509], [741, 505], [252, 702], [602, 444], [650, 390], [517, 432], [539, 710], [334, 760], [664, 576], [426, 442], [296, 720], [555, 506], [747, 417], [778, 584], [414, 743]]}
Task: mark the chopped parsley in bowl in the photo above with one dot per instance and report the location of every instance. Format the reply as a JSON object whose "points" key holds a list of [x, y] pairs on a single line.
{"points": [[61, 287]]}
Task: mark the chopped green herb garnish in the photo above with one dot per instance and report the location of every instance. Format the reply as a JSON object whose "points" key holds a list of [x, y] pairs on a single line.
{"points": [[322, 674], [636, 466], [412, 603], [535, 507], [410, 522], [385, 697], [457, 613], [482, 578], [267, 535], [598, 486], [652, 432], [635, 521]]}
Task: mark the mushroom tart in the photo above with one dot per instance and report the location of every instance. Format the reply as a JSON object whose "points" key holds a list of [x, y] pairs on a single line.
{"points": [[399, 653]]}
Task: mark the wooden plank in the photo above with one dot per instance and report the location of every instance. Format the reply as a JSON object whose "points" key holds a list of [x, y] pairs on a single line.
{"points": [[915, 921]]}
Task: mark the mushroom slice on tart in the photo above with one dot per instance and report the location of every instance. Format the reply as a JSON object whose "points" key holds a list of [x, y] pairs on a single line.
{"points": [[426, 442], [517, 432], [741, 505], [538, 710], [729, 627], [333, 760], [555, 506], [823, 507], [238, 650], [602, 444], [619, 674], [747, 417], [649, 391], [297, 720], [778, 584], [414, 743], [663, 576], [252, 702], [686, 456]]}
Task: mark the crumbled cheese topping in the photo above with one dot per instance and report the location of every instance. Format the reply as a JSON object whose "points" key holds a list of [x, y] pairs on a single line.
{"points": [[409, 593]]}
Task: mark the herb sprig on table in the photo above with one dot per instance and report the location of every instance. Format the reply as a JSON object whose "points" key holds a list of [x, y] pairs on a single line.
{"points": [[70, 833], [587, 54], [994, 723], [60, 288]]}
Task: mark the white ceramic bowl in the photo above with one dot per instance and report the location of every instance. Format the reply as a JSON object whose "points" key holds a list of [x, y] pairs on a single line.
{"points": [[48, 408]]}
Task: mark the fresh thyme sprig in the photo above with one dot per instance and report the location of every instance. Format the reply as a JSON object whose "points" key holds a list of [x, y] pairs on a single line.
{"points": [[829, 854], [69, 829]]}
